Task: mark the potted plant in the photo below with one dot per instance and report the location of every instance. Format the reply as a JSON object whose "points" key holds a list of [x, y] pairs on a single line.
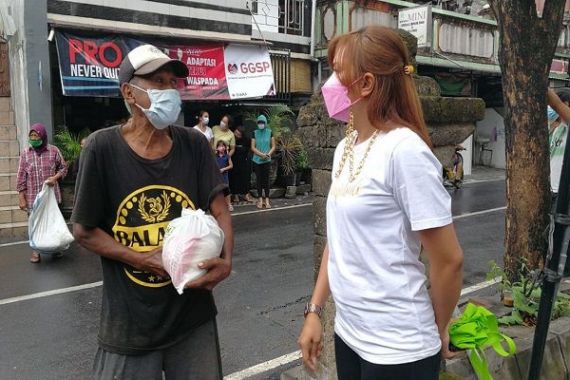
{"points": [[69, 144], [303, 167], [289, 147]]}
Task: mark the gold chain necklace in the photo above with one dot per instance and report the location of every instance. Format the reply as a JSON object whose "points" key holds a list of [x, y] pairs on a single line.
{"points": [[348, 153]]}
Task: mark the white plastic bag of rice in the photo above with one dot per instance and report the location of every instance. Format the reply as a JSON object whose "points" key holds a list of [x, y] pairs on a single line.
{"points": [[190, 239]]}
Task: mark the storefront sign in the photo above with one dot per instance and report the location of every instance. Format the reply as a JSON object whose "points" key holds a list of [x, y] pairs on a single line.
{"points": [[206, 78], [248, 71], [90, 67], [418, 22]]}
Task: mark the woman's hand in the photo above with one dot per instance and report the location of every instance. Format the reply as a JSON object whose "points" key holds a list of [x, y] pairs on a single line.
{"points": [[310, 340], [51, 181], [23, 204], [445, 352]]}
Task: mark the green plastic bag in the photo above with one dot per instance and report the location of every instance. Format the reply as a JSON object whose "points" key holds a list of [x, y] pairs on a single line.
{"points": [[476, 330]]}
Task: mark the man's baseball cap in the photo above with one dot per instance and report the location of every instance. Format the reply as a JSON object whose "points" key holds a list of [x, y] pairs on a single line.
{"points": [[146, 59]]}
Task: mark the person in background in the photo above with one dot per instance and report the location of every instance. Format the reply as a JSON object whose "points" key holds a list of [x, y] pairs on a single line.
{"points": [[558, 117], [386, 201], [202, 126], [225, 164], [223, 132], [262, 146], [41, 162], [240, 176]]}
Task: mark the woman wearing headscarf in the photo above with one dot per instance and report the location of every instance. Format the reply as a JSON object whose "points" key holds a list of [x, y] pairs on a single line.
{"points": [[40, 163]]}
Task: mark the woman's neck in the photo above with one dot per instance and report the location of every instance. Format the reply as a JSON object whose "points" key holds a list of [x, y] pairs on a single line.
{"points": [[363, 126]]}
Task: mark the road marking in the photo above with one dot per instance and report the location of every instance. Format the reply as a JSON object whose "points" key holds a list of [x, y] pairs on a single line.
{"points": [[6, 301], [479, 286], [466, 215], [14, 243], [264, 367], [272, 209]]}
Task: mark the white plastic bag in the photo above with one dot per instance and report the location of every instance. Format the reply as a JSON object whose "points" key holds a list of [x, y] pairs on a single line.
{"points": [[189, 240], [46, 225]]}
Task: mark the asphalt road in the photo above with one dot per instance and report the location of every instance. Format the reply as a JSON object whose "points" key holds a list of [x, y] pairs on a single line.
{"points": [[260, 305]]}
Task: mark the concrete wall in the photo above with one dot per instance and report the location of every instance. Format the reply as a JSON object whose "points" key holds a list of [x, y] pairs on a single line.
{"points": [[29, 65]]}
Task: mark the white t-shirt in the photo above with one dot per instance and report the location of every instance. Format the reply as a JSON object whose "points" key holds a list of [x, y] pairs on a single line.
{"points": [[557, 141], [209, 134], [383, 309]]}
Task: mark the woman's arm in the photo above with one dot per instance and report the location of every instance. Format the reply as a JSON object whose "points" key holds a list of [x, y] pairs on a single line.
{"points": [[232, 150], [446, 276], [254, 149], [230, 164], [273, 146], [310, 340], [559, 106]]}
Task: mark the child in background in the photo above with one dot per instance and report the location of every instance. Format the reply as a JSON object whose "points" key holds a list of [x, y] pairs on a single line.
{"points": [[225, 164]]}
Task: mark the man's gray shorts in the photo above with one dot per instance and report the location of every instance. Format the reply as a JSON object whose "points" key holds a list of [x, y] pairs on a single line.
{"points": [[195, 358]]}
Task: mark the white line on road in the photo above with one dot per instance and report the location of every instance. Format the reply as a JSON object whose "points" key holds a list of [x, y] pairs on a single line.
{"points": [[461, 216], [271, 209], [14, 243], [264, 367], [50, 293]]}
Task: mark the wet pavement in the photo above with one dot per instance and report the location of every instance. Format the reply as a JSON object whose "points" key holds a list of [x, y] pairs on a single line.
{"points": [[260, 305]]}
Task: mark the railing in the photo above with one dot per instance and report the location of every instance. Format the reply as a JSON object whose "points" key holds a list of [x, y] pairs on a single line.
{"points": [[282, 16]]}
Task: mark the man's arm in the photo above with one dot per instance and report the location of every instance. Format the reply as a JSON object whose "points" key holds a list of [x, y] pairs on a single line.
{"points": [[98, 241], [559, 106]]}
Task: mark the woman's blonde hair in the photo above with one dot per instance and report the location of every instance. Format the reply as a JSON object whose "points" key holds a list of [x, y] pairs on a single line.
{"points": [[381, 52]]}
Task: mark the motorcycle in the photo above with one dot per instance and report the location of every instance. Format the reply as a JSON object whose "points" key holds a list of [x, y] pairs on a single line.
{"points": [[453, 176]]}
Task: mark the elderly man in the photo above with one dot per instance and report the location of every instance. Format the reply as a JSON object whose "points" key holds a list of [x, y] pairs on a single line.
{"points": [[133, 179]]}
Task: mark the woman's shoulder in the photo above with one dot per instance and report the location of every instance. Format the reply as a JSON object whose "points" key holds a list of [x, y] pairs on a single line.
{"points": [[404, 139]]}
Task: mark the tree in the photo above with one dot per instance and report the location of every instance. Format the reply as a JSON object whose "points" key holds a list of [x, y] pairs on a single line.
{"points": [[527, 45]]}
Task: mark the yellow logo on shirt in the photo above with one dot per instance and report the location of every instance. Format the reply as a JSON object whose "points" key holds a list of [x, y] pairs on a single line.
{"points": [[142, 219]]}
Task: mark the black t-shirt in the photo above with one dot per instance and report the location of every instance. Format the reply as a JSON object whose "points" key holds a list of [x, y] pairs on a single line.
{"points": [[133, 199], [243, 149]]}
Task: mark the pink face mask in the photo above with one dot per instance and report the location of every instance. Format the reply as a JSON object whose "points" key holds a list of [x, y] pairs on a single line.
{"points": [[336, 98]]}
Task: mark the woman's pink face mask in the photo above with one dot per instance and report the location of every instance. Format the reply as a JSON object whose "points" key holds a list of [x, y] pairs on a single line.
{"points": [[336, 98]]}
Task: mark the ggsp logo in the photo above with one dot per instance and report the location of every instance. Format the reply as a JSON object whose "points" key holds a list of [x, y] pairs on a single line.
{"points": [[255, 67]]}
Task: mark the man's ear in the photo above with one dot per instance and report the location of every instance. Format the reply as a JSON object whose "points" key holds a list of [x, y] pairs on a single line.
{"points": [[128, 94], [368, 84]]}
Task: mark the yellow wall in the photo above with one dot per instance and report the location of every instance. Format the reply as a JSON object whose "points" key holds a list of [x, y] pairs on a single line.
{"points": [[301, 76]]}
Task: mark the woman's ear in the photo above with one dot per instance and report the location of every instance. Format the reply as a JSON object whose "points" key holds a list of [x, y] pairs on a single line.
{"points": [[368, 84]]}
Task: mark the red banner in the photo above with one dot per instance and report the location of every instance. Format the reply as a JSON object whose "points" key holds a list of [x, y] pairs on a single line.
{"points": [[207, 77]]}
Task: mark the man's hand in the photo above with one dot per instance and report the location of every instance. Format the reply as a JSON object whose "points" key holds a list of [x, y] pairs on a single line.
{"points": [[218, 270], [152, 262], [51, 181]]}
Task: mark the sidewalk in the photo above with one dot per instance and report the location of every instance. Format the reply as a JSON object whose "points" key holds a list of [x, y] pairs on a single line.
{"points": [[485, 174]]}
